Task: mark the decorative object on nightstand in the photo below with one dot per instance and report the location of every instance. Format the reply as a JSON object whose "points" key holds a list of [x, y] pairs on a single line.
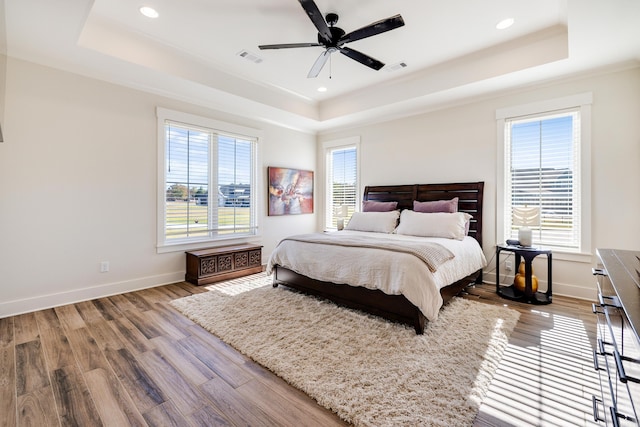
{"points": [[524, 217], [519, 281], [341, 213], [527, 292]]}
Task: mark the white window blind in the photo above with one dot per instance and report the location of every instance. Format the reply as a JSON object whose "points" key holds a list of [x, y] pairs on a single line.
{"points": [[209, 184], [342, 182], [542, 170]]}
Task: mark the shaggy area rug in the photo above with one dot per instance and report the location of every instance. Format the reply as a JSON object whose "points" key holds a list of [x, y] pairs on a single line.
{"points": [[369, 371]]}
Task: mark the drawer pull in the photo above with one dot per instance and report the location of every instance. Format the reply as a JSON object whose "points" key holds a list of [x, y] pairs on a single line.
{"points": [[596, 413], [599, 272], [615, 302], [594, 309], [614, 416], [596, 364], [622, 376], [601, 349]]}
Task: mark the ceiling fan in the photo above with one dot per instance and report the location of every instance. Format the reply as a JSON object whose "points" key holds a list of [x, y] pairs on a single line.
{"points": [[333, 38]]}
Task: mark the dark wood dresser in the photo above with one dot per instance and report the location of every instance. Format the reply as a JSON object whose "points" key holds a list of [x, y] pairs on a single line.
{"points": [[617, 350], [212, 265]]}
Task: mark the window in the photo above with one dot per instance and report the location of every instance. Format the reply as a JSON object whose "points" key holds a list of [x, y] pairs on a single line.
{"points": [[342, 180], [542, 166], [207, 184]]}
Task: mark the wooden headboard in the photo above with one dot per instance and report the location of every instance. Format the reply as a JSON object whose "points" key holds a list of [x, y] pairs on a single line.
{"points": [[468, 193]]}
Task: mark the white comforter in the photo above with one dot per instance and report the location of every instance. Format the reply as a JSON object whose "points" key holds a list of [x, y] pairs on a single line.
{"points": [[393, 273]]}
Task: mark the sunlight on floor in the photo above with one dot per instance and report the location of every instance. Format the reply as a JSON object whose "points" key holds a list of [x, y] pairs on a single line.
{"points": [[242, 284], [549, 384]]}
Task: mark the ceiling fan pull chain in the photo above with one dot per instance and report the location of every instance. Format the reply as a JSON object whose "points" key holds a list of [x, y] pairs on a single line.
{"points": [[330, 67]]}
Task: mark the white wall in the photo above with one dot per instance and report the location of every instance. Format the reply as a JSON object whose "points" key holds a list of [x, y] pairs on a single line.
{"points": [[78, 170], [459, 144], [78, 175]]}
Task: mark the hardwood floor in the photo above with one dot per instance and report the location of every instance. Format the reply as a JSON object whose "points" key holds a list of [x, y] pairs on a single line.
{"points": [[131, 359], [546, 376]]}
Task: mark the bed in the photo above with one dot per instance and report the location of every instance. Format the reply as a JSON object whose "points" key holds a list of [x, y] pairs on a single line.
{"points": [[390, 291]]}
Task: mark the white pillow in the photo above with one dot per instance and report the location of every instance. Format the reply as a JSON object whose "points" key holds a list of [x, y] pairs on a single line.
{"points": [[436, 224], [379, 222]]}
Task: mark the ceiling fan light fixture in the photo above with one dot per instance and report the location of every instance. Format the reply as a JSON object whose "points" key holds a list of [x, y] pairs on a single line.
{"points": [[149, 12], [505, 23]]}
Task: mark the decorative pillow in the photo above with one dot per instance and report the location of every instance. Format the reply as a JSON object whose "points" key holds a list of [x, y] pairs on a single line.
{"points": [[372, 206], [434, 224], [436, 206], [379, 222]]}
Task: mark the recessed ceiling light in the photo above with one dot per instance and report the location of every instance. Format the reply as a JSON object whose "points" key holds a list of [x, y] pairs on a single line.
{"points": [[149, 12], [505, 23], [322, 89]]}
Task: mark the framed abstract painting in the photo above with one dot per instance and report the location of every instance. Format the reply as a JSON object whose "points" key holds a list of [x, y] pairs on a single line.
{"points": [[290, 191]]}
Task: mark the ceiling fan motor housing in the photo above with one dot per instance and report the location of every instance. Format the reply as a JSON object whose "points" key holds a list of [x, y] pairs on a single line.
{"points": [[336, 33], [331, 18]]}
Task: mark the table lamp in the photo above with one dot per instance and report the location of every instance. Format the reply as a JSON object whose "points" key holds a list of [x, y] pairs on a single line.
{"points": [[340, 213], [523, 217]]}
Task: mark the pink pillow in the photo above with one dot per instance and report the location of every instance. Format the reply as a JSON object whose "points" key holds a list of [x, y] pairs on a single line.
{"points": [[372, 206], [450, 206]]}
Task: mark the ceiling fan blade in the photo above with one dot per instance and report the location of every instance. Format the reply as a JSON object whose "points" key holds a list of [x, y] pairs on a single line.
{"points": [[378, 27], [287, 45], [314, 13], [317, 66], [361, 58]]}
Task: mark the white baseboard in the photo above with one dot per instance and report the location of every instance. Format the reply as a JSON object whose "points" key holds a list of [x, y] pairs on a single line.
{"points": [[26, 305], [574, 291], [562, 289]]}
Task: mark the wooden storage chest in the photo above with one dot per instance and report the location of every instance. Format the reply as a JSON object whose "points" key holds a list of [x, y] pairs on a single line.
{"points": [[212, 265]]}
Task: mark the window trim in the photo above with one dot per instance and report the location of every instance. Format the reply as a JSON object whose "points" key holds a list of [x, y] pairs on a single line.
{"points": [[327, 146], [582, 101], [163, 114]]}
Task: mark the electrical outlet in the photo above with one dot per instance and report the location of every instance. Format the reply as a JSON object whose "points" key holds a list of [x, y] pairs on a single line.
{"points": [[508, 266], [104, 266]]}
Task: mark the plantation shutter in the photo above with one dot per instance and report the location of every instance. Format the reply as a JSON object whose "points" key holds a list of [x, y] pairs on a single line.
{"points": [[235, 177], [187, 181], [342, 182], [542, 164], [209, 182]]}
